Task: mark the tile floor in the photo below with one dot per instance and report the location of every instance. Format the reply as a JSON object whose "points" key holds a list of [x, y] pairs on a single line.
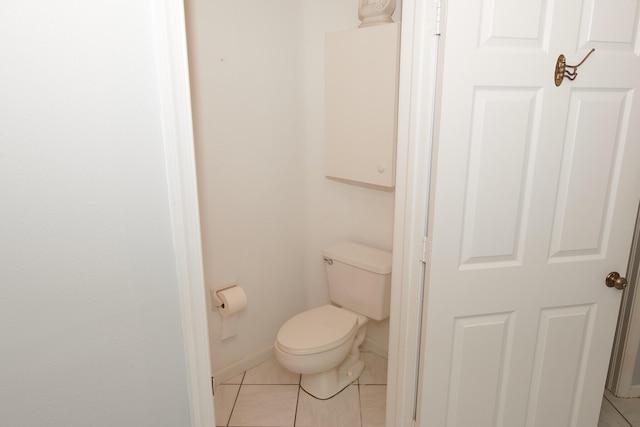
{"points": [[269, 395], [619, 412]]}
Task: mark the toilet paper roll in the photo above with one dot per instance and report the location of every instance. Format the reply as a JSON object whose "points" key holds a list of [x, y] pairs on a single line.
{"points": [[233, 300]]}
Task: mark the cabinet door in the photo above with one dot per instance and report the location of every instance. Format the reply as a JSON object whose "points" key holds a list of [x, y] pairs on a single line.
{"points": [[361, 99]]}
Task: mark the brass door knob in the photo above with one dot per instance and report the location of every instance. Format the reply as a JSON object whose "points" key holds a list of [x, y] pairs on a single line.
{"points": [[614, 280]]}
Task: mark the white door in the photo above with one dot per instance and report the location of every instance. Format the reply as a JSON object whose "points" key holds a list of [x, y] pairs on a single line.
{"points": [[535, 193]]}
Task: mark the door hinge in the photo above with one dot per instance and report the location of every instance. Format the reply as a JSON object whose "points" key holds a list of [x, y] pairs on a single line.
{"points": [[423, 249], [213, 387], [438, 9]]}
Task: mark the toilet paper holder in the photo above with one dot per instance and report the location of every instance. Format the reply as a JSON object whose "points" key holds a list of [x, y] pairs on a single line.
{"points": [[216, 302]]}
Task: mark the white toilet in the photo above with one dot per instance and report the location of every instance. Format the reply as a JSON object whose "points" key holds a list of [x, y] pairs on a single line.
{"points": [[323, 343]]}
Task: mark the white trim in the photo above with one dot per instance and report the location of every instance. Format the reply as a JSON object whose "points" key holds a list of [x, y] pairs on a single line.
{"points": [[173, 81], [375, 347], [224, 374], [415, 118], [625, 350]]}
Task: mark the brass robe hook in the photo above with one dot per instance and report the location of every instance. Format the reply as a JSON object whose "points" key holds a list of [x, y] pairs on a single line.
{"points": [[562, 68]]}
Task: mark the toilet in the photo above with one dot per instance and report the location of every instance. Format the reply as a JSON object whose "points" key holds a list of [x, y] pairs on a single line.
{"points": [[323, 343]]}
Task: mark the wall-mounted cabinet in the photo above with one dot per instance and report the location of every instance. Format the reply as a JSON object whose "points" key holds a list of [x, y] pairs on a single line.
{"points": [[361, 69]]}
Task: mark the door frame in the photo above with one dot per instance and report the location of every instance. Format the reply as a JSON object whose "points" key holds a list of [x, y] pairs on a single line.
{"points": [[177, 130], [417, 107], [627, 340], [417, 100]]}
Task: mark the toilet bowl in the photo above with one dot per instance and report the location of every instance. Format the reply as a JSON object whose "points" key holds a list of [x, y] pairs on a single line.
{"points": [[323, 344]]}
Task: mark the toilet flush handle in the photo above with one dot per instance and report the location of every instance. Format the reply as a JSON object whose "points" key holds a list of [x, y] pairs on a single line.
{"points": [[328, 260]]}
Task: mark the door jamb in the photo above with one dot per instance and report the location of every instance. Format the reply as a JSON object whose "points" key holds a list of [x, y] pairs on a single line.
{"points": [[177, 130], [627, 339], [416, 111]]}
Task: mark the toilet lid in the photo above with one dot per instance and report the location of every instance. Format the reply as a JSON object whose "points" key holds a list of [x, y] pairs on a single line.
{"points": [[316, 330]]}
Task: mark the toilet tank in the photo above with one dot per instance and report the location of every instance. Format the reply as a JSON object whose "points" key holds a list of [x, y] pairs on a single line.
{"points": [[359, 278]]}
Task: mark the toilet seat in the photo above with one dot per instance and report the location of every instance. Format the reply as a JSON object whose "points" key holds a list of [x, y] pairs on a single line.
{"points": [[331, 328]]}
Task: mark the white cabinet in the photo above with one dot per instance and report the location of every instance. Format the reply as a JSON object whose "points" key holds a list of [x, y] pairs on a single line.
{"points": [[361, 94]]}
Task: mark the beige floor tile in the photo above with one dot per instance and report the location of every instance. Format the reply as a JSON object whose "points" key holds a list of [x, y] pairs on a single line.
{"points": [[341, 410], [629, 408], [223, 401], [270, 372], [259, 404], [375, 369], [373, 400], [265, 405], [610, 417]]}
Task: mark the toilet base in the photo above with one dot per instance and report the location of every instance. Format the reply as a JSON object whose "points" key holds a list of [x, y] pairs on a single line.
{"points": [[325, 385]]}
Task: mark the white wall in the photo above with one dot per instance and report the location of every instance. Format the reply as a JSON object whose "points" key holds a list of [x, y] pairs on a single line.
{"points": [[246, 91], [257, 71], [336, 210], [89, 309]]}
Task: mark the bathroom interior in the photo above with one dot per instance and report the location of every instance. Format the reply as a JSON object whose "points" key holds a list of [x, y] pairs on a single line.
{"points": [[267, 209]]}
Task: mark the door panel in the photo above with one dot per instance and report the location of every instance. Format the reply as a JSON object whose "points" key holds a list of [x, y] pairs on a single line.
{"points": [[493, 221], [559, 364], [505, 23], [489, 337], [596, 29], [535, 193], [596, 126]]}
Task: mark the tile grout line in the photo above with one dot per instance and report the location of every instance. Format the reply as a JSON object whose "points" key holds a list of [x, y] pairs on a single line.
{"points": [[360, 405], [245, 385], [618, 411], [236, 399], [295, 413]]}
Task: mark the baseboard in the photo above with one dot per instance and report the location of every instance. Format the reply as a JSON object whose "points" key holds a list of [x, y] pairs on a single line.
{"points": [[224, 374], [633, 391], [375, 347]]}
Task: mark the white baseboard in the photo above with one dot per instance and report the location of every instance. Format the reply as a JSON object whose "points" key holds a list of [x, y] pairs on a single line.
{"points": [[224, 374], [632, 391], [375, 347]]}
